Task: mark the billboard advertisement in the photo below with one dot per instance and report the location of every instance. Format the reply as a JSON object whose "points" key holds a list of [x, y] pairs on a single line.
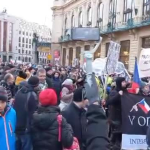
{"points": [[85, 34]]}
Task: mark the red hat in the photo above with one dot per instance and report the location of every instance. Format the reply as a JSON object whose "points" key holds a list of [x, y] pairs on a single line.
{"points": [[48, 97]]}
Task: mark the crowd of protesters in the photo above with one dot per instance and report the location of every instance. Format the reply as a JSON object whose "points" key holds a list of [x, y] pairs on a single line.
{"points": [[32, 98]]}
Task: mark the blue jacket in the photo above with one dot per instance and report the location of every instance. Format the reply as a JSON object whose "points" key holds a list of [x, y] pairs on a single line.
{"points": [[7, 129]]}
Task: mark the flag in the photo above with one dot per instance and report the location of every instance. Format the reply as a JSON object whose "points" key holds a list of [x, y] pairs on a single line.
{"points": [[136, 77], [144, 106]]}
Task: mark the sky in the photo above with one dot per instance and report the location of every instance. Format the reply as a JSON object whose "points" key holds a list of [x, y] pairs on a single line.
{"points": [[38, 11]]}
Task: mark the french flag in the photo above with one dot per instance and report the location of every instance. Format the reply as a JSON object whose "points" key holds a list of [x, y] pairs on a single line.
{"points": [[144, 106]]}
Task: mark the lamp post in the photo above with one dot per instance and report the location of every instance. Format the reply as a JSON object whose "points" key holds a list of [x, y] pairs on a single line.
{"points": [[34, 50]]}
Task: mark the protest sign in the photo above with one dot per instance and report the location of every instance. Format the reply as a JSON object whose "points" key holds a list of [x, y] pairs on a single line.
{"points": [[135, 121], [144, 63], [112, 57]]}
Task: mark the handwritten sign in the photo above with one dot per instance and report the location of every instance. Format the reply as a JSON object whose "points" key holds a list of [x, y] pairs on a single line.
{"points": [[144, 63]]}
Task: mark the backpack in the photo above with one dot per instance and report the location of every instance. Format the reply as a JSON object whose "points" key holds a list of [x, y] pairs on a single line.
{"points": [[75, 144]]}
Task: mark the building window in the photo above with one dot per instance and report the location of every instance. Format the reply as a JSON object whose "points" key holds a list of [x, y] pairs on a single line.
{"points": [[29, 41], [78, 52], [23, 33], [19, 32], [112, 13], [26, 40], [26, 33], [80, 19], [26, 52], [100, 15], [26, 45], [19, 39], [66, 26], [89, 17], [124, 52], [73, 21], [146, 42], [23, 40], [87, 47], [29, 46], [19, 58], [22, 51], [18, 50], [107, 49], [146, 7], [19, 44], [70, 56], [127, 14]]}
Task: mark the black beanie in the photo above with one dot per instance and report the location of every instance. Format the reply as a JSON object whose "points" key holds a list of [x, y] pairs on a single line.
{"points": [[22, 74], [3, 94], [33, 81], [78, 95]]}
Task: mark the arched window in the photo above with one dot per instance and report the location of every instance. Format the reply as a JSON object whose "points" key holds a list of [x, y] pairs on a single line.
{"points": [[128, 10], [73, 21], [80, 19], [89, 17], [100, 15], [66, 25]]}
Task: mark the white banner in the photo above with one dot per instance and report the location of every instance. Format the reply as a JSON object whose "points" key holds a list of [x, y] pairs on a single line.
{"points": [[144, 63], [134, 142]]}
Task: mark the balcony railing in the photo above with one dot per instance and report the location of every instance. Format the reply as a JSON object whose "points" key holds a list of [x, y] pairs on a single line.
{"points": [[65, 38], [122, 26]]}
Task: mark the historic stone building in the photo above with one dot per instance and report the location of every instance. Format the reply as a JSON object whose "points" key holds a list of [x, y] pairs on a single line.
{"points": [[124, 21]]}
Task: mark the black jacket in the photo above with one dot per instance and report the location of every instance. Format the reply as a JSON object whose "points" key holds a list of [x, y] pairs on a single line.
{"points": [[114, 103], [44, 130], [97, 129], [76, 117], [49, 81], [26, 102]]}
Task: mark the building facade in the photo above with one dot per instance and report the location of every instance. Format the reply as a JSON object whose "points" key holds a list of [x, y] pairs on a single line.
{"points": [[124, 21], [16, 36]]}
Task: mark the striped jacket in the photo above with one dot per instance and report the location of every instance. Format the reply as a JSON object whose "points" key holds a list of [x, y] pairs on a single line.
{"points": [[7, 127]]}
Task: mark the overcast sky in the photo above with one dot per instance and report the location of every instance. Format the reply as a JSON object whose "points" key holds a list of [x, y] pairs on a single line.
{"points": [[31, 10]]}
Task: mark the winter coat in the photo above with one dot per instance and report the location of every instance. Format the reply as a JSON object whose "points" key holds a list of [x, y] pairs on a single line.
{"points": [[56, 85], [114, 103], [7, 127], [49, 81], [97, 129], [76, 117], [66, 97], [44, 130], [25, 104]]}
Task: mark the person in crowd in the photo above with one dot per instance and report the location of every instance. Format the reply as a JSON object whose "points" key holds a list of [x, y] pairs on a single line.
{"points": [[114, 101], [75, 115], [66, 94], [45, 127], [26, 102], [56, 84], [32, 71], [49, 74], [7, 123], [63, 74], [41, 73], [8, 84], [97, 128], [144, 89], [20, 78]]}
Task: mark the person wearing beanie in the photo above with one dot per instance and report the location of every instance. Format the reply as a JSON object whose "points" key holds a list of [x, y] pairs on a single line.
{"points": [[66, 94], [114, 100], [75, 114], [7, 123], [26, 103], [44, 130]]}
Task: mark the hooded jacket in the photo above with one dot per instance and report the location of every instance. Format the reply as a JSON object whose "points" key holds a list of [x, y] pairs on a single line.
{"points": [[25, 104], [114, 100], [7, 134], [44, 130]]}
